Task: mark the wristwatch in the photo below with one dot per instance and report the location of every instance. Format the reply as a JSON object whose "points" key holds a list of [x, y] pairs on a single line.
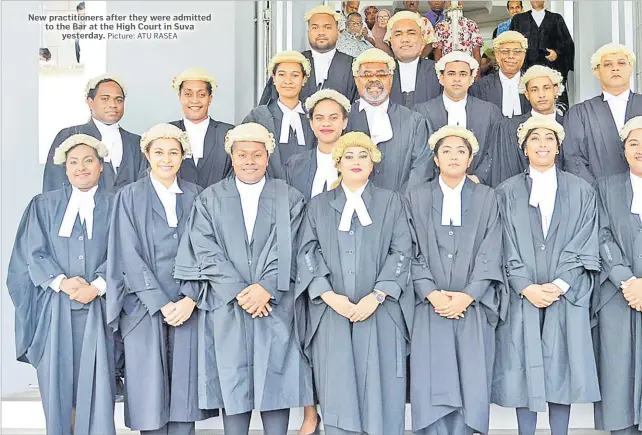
{"points": [[380, 297]]}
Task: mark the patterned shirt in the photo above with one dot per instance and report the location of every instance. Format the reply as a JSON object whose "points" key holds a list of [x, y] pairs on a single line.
{"points": [[469, 36], [348, 44]]}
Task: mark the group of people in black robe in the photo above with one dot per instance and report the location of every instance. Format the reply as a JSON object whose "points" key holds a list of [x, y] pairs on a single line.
{"points": [[346, 249]]}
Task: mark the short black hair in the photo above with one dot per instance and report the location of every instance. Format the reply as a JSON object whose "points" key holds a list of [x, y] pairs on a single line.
{"points": [[523, 144], [354, 14], [92, 92], [521, 5], [469, 147], [208, 85], [44, 52], [343, 109], [80, 6]]}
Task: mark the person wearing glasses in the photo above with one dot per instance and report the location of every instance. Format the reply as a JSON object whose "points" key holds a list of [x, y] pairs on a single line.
{"points": [[502, 88], [354, 40], [379, 31], [398, 132]]}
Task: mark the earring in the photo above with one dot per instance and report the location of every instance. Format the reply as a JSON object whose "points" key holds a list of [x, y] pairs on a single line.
{"points": [[525, 154], [558, 151]]}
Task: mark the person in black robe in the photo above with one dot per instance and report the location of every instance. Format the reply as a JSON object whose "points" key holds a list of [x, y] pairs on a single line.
{"points": [[541, 86], [105, 96], [501, 87], [455, 107], [313, 171], [56, 280], [330, 69], [400, 133], [592, 148], [549, 41], [285, 117], [617, 303], [209, 163], [414, 79], [145, 302]]}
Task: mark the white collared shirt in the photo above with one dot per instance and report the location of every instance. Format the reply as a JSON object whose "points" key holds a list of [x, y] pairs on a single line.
{"points": [[354, 204], [456, 110], [451, 205], [617, 104], [511, 104], [546, 115], [168, 199], [636, 185], [408, 75], [543, 194], [378, 120], [110, 136], [322, 63], [196, 134], [325, 175], [291, 120], [250, 195], [538, 16]]}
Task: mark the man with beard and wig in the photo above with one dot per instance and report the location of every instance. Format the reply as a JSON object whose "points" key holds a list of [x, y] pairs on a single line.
{"points": [[457, 272], [414, 79], [399, 133], [209, 163], [542, 87], [313, 172], [285, 117], [618, 304], [502, 87], [352, 273], [330, 69], [239, 248], [592, 148], [456, 72], [551, 254], [105, 97]]}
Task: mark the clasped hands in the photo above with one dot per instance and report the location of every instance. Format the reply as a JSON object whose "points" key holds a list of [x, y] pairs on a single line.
{"points": [[450, 305], [354, 312], [542, 295], [78, 289], [177, 313], [632, 291], [255, 300]]}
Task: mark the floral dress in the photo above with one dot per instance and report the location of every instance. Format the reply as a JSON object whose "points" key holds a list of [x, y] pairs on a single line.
{"points": [[469, 36]]}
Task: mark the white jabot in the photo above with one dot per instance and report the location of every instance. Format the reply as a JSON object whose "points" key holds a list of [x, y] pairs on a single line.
{"points": [[81, 204], [354, 204], [378, 120], [543, 194], [545, 115], [325, 175], [451, 205], [538, 16], [617, 104], [636, 204], [408, 75], [511, 104], [456, 110], [168, 199], [250, 195], [322, 63], [110, 136], [196, 134], [291, 120]]}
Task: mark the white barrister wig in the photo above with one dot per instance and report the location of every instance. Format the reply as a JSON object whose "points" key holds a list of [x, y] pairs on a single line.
{"points": [[404, 15], [372, 55], [193, 74], [539, 122], [322, 9], [250, 132], [60, 155], [631, 124], [537, 71], [454, 130], [166, 131], [289, 56], [456, 56], [93, 82], [611, 48], [510, 36], [326, 94]]}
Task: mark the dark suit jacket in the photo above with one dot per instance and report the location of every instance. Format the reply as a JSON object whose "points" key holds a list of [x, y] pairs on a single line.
{"points": [[427, 84]]}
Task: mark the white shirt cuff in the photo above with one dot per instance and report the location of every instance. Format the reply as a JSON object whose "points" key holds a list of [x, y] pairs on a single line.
{"points": [[101, 285], [55, 284], [563, 285], [632, 278]]}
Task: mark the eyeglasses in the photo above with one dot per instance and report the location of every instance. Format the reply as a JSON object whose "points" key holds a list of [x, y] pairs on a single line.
{"points": [[505, 52], [383, 18], [355, 23], [369, 75]]}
